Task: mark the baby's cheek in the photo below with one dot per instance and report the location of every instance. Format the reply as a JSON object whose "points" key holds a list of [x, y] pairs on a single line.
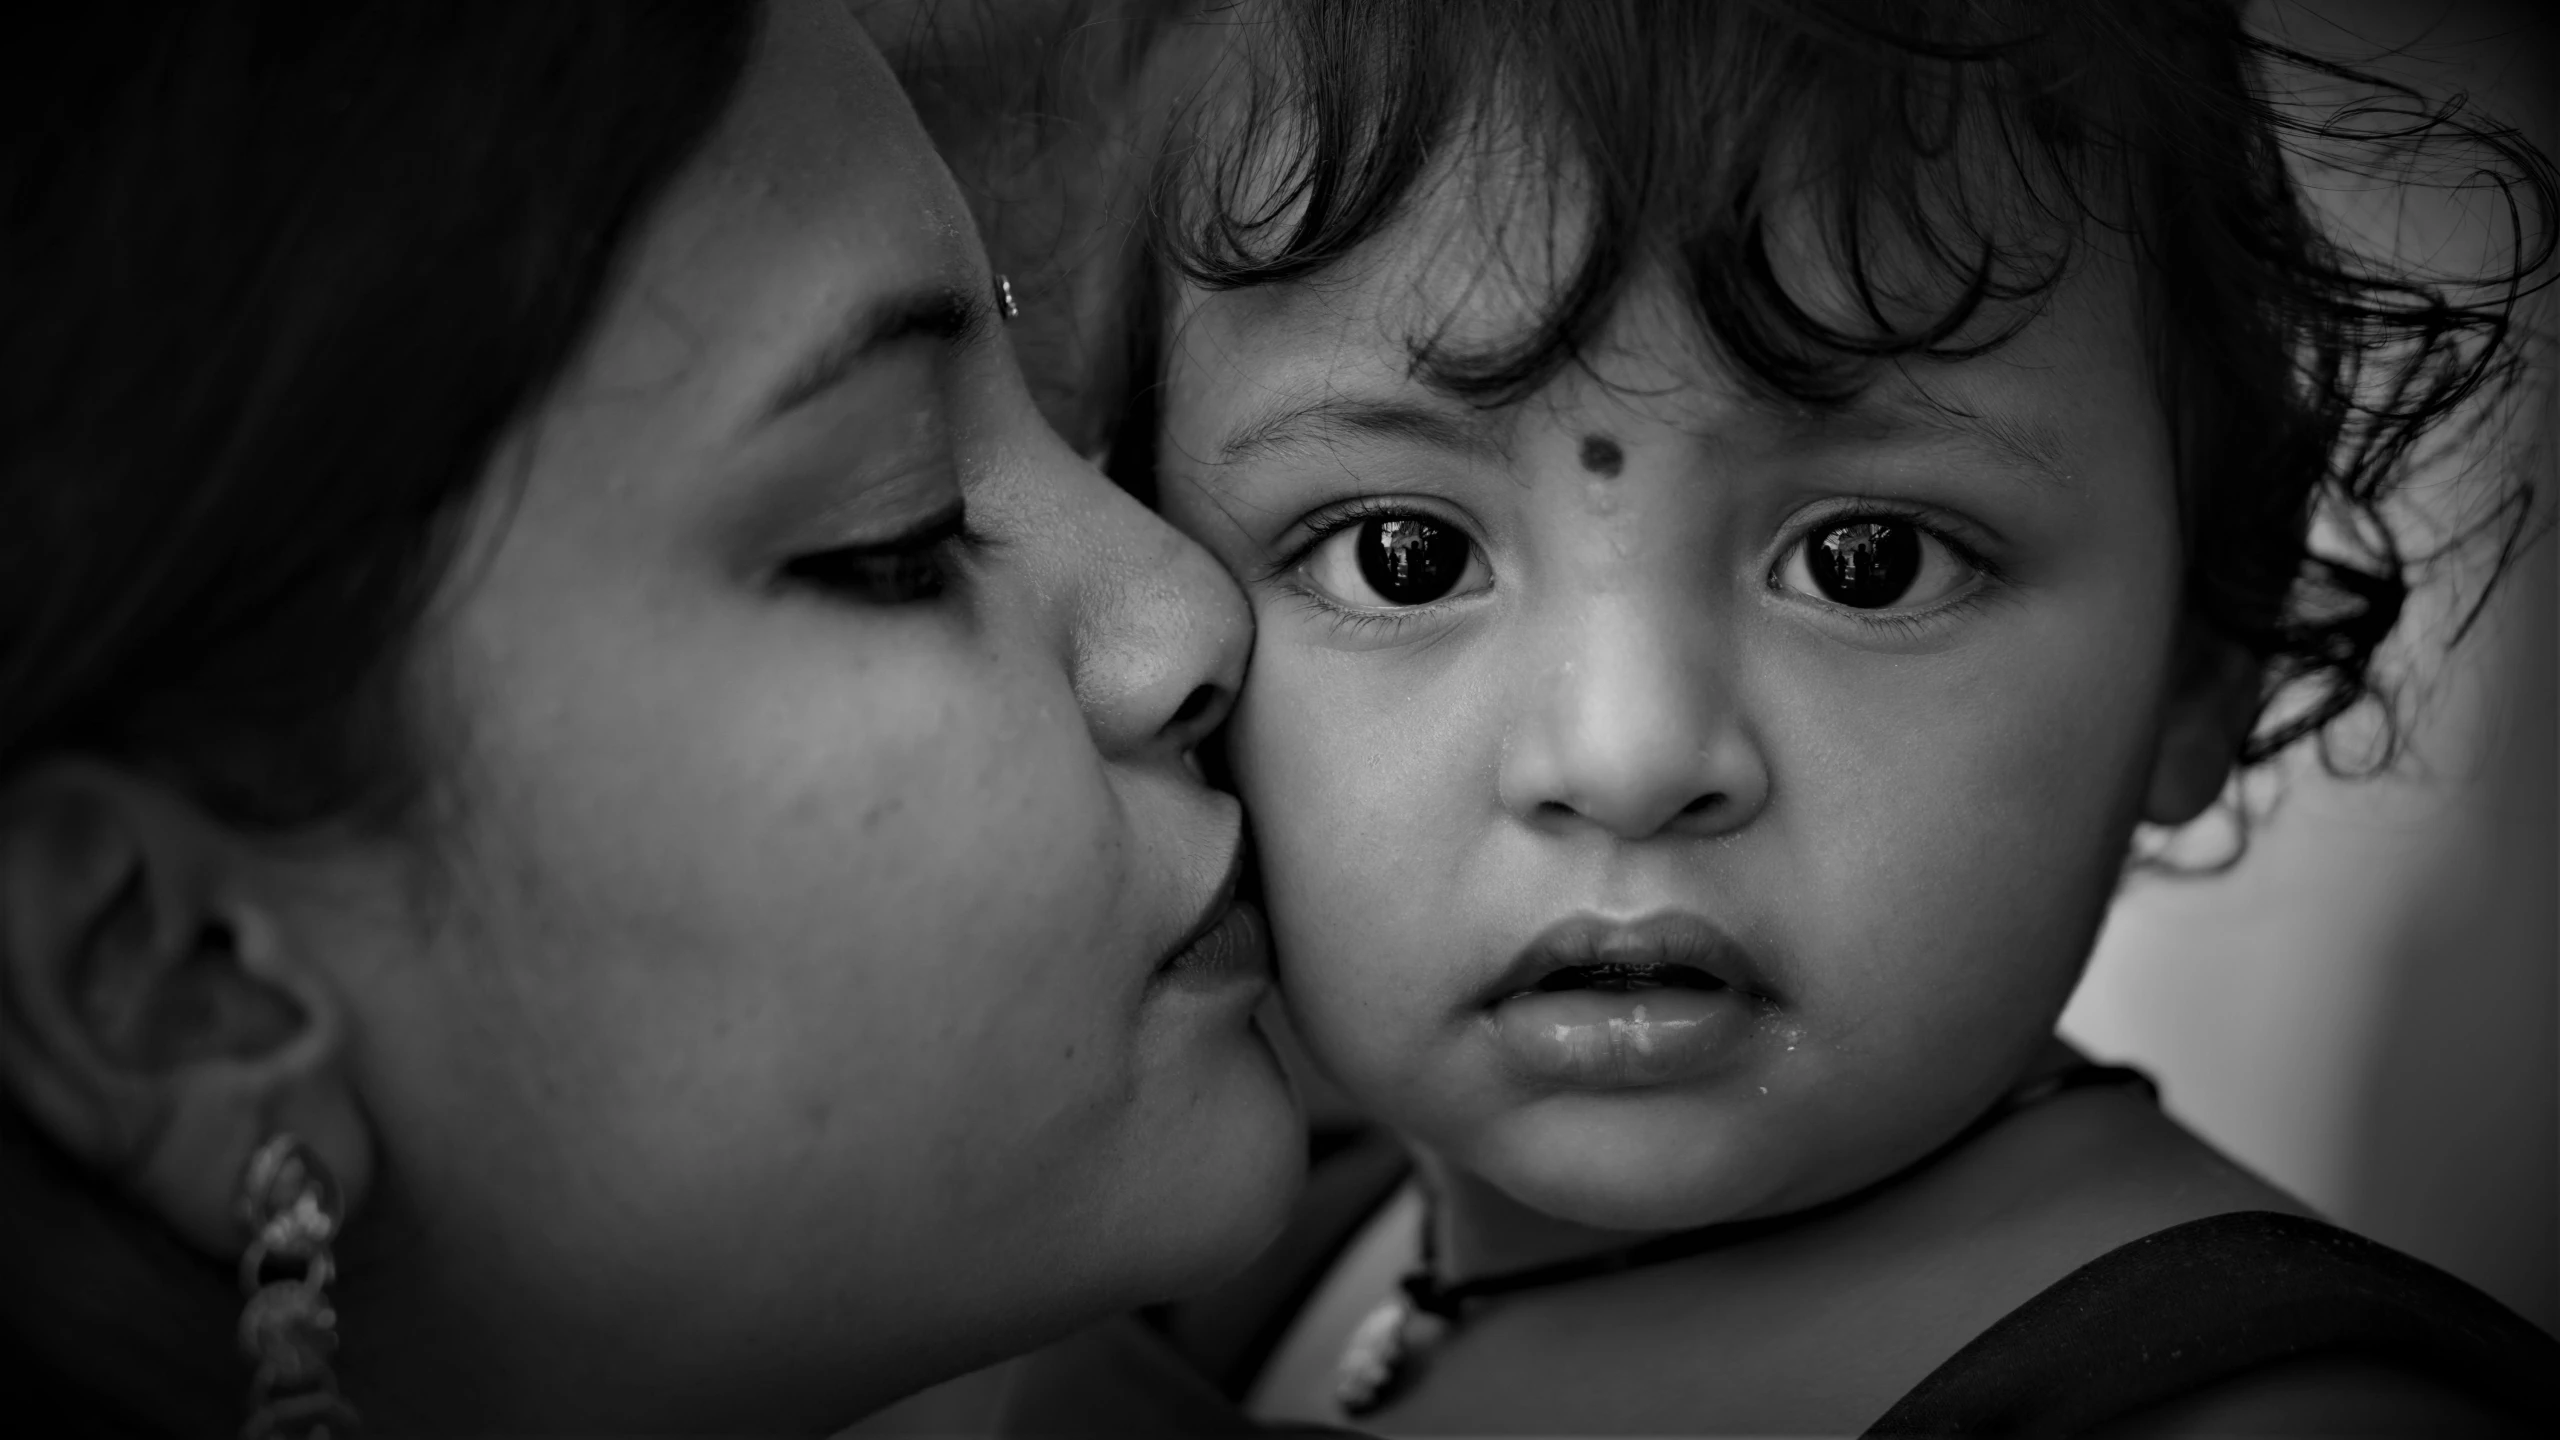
{"points": [[1353, 857], [1968, 898]]}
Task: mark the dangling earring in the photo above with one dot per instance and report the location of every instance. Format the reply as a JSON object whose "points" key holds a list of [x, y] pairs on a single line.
{"points": [[1005, 305], [290, 1208]]}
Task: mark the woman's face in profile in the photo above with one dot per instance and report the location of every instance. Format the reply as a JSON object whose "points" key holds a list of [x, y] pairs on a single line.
{"points": [[809, 856]]}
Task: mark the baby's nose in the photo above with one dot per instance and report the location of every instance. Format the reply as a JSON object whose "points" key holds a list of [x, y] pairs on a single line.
{"points": [[1629, 729]]}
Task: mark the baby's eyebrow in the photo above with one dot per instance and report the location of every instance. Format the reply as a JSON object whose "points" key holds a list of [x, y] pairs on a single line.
{"points": [[1307, 425], [2034, 445]]}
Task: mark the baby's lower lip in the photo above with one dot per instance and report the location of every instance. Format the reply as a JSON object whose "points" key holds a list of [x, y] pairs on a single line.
{"points": [[1617, 1039]]}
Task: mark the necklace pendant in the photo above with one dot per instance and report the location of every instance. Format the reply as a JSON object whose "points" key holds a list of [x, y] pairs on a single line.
{"points": [[1386, 1352]]}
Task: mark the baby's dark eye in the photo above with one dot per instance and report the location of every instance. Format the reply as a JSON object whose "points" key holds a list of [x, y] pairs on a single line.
{"points": [[1872, 562], [901, 570], [1393, 560], [1411, 561]]}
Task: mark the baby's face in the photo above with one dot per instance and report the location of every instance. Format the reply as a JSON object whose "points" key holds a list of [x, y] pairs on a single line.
{"points": [[1675, 807]]}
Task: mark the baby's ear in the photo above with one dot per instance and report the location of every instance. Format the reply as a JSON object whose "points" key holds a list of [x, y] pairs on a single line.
{"points": [[156, 1018], [2204, 722]]}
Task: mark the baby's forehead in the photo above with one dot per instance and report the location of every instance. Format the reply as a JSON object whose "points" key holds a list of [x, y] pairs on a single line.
{"points": [[1278, 437], [1354, 347]]}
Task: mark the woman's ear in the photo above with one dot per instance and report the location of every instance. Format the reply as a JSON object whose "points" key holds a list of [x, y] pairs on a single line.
{"points": [[2205, 723], [156, 1017]]}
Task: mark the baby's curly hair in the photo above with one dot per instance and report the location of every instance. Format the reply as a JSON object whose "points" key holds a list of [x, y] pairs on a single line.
{"points": [[1959, 154]]}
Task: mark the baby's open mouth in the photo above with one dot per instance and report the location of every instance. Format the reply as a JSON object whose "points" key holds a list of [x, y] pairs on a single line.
{"points": [[1617, 976]]}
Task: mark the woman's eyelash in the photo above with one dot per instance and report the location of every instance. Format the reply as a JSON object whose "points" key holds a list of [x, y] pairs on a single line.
{"points": [[911, 566]]}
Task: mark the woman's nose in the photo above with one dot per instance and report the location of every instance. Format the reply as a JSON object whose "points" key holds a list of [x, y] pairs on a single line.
{"points": [[1630, 728], [1160, 638]]}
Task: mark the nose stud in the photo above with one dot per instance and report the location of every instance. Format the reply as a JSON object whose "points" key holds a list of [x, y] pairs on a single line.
{"points": [[1005, 305]]}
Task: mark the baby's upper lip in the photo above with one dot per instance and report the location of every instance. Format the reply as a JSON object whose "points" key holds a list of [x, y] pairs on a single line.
{"points": [[1663, 937]]}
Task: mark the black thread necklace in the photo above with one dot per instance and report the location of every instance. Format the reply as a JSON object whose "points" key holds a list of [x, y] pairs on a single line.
{"points": [[1393, 1344]]}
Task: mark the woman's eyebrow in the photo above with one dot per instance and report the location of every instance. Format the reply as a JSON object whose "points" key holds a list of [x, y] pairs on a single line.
{"points": [[1307, 425], [873, 324]]}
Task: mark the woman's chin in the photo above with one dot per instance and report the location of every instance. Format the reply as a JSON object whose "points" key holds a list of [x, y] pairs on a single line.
{"points": [[1218, 1161], [1195, 1179]]}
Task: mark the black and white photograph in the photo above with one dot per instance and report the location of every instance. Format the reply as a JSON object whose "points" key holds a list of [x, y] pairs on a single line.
{"points": [[1476, 719]]}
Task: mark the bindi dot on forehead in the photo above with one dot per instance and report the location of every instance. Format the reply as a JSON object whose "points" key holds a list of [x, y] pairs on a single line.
{"points": [[1602, 455]]}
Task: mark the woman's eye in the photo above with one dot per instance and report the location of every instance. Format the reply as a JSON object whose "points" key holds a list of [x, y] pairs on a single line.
{"points": [[1394, 561], [1870, 562], [902, 570]]}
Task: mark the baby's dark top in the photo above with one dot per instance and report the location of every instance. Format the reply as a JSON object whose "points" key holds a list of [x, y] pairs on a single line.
{"points": [[2161, 1318]]}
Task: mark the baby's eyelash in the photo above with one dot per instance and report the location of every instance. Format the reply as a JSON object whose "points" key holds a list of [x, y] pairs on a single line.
{"points": [[1369, 624], [1991, 580], [1855, 508], [1915, 625], [1333, 522], [1287, 573]]}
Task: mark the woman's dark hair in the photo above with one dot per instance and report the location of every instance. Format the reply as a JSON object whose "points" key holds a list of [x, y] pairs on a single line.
{"points": [[1957, 156], [276, 278]]}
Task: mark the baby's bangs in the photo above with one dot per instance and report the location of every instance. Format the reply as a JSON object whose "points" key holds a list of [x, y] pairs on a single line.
{"points": [[1833, 185]]}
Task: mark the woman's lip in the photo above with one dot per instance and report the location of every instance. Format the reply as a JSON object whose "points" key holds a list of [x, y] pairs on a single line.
{"points": [[1234, 950], [1215, 913], [1664, 937]]}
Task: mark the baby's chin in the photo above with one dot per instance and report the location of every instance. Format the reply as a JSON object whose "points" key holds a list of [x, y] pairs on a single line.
{"points": [[1660, 1160]]}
